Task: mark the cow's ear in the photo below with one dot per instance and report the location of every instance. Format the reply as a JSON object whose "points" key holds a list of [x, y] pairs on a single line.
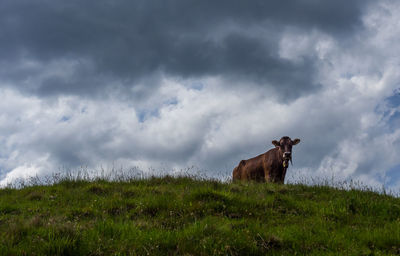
{"points": [[296, 141], [276, 143]]}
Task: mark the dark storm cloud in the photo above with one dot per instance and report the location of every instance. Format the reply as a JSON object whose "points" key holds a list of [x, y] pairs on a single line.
{"points": [[125, 42]]}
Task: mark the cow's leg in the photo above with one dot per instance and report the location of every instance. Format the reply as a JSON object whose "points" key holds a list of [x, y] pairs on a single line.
{"points": [[283, 175], [261, 179], [267, 177]]}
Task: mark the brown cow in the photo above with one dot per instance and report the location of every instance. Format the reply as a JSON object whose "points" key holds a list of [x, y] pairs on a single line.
{"points": [[270, 166]]}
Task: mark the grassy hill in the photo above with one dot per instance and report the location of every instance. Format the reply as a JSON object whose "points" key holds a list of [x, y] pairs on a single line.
{"points": [[185, 216]]}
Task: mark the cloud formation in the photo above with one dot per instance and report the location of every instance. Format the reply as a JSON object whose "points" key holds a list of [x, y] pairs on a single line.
{"points": [[82, 48], [200, 83]]}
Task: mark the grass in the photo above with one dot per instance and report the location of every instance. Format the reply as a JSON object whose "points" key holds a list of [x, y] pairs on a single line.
{"points": [[188, 216]]}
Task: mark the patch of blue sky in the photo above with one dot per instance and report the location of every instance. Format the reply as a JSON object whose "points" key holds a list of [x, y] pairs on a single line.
{"points": [[347, 75], [389, 110], [394, 121], [198, 86], [145, 114], [394, 100], [171, 101], [393, 175], [392, 113], [65, 119]]}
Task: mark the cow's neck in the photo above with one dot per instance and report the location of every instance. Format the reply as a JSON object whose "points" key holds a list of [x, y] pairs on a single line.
{"points": [[284, 163]]}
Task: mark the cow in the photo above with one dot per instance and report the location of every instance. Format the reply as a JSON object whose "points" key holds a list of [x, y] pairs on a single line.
{"points": [[268, 167]]}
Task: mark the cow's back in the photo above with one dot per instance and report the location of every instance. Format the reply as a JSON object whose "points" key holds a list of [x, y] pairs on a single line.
{"points": [[250, 169]]}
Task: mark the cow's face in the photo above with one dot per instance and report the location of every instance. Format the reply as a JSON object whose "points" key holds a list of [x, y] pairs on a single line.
{"points": [[285, 147]]}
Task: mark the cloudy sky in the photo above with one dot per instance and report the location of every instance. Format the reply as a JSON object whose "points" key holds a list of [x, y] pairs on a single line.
{"points": [[171, 84]]}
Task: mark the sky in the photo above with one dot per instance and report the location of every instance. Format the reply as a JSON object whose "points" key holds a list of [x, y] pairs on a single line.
{"points": [[170, 85]]}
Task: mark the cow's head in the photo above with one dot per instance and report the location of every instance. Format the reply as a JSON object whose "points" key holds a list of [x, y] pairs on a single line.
{"points": [[284, 146]]}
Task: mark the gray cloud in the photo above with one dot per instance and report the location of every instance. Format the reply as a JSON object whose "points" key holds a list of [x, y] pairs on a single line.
{"points": [[127, 42]]}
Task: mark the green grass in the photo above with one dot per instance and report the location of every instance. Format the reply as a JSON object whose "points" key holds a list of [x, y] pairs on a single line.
{"points": [[186, 216]]}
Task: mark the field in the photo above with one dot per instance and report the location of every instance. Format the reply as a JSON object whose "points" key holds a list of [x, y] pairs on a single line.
{"points": [[189, 216]]}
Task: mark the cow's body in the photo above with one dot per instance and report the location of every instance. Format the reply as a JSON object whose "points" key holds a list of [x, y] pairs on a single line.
{"points": [[268, 167]]}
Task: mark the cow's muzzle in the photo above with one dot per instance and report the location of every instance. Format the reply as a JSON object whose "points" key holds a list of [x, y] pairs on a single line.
{"points": [[287, 156]]}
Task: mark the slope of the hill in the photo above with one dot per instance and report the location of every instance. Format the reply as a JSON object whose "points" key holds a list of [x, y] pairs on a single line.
{"points": [[184, 216]]}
